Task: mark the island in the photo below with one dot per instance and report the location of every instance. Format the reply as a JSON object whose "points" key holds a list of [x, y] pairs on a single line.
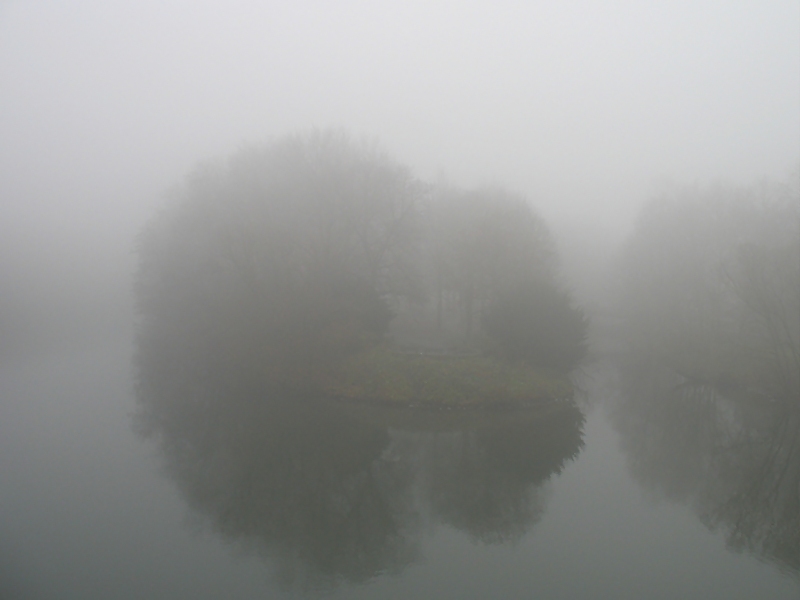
{"points": [[316, 265]]}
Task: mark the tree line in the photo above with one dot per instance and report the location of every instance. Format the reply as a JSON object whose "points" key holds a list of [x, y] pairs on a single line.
{"points": [[711, 286], [709, 406], [300, 250]]}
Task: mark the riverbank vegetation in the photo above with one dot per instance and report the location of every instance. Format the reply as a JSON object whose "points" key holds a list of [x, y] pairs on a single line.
{"points": [[709, 405], [316, 254], [711, 287], [448, 381]]}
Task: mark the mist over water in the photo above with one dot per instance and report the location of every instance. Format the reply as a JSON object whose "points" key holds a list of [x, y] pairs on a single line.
{"points": [[380, 301]]}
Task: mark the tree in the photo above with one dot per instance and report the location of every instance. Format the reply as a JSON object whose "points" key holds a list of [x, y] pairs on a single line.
{"points": [[285, 253], [481, 244], [712, 285]]}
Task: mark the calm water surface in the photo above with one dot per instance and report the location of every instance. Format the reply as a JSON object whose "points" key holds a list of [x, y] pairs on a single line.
{"points": [[606, 498]]}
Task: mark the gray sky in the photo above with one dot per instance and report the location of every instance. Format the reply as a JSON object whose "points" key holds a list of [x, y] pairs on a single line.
{"points": [[582, 106]]}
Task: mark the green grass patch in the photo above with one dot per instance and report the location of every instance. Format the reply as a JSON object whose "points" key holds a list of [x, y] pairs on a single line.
{"points": [[436, 419], [381, 375]]}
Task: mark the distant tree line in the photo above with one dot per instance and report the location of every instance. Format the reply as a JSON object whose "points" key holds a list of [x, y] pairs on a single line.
{"points": [[711, 286], [298, 251], [709, 409]]}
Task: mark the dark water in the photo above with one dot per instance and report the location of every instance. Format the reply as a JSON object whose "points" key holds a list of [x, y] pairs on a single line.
{"points": [[614, 496]]}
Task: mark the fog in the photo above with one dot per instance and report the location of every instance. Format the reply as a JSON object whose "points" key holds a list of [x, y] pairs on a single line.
{"points": [[637, 161], [584, 109]]}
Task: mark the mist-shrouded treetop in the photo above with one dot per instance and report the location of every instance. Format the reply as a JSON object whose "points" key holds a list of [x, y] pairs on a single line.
{"points": [[481, 243], [283, 253], [491, 273], [712, 285], [302, 250]]}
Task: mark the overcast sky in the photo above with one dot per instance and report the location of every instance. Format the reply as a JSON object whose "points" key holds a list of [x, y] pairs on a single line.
{"points": [[582, 106]]}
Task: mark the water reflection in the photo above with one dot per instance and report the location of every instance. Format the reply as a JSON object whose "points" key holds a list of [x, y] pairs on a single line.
{"points": [[733, 454], [333, 492], [489, 482]]}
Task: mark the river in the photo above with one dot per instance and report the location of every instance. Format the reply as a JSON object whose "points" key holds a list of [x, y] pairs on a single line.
{"points": [[91, 510]]}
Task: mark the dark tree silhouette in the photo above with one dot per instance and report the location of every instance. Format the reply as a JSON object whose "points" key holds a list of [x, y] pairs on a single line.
{"points": [[283, 256]]}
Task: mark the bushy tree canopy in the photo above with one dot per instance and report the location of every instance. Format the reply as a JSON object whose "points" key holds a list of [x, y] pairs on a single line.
{"points": [[479, 244], [711, 285], [301, 250], [285, 249]]}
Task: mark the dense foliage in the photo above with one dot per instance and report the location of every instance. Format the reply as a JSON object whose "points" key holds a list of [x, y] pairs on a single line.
{"points": [[480, 244], [293, 255], [711, 286], [286, 253]]}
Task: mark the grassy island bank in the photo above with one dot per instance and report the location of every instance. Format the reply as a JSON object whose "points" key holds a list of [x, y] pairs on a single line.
{"points": [[383, 376], [296, 265]]}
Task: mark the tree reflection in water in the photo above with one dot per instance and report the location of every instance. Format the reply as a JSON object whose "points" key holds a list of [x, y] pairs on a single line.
{"points": [[489, 482], [734, 455], [330, 496]]}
